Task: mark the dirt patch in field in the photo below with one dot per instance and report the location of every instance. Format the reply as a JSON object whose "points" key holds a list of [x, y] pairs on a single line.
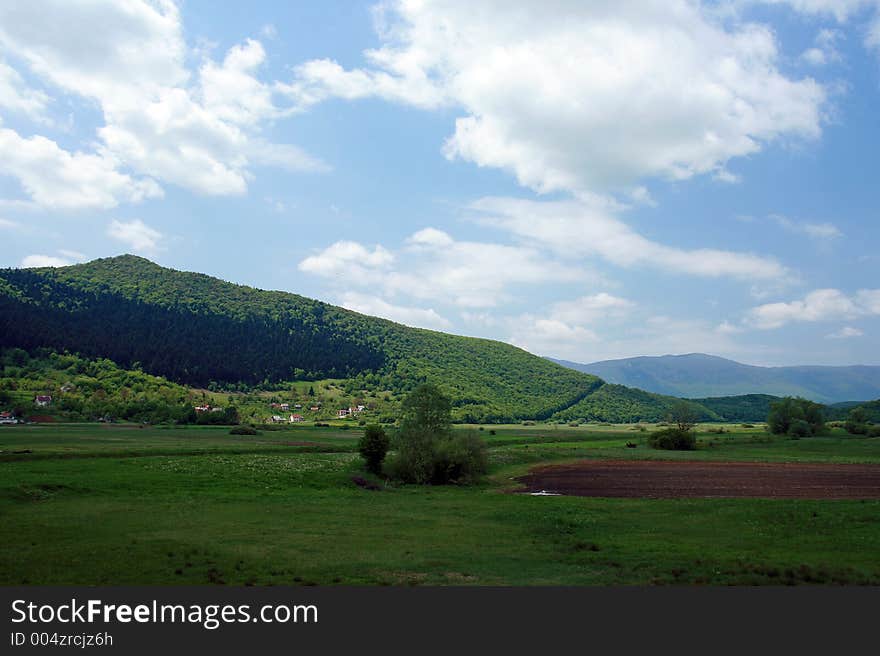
{"points": [[41, 419], [670, 480]]}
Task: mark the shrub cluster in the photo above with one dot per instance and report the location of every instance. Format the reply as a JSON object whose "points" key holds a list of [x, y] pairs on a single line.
{"points": [[459, 458], [426, 449], [244, 429], [796, 417], [673, 439], [857, 424]]}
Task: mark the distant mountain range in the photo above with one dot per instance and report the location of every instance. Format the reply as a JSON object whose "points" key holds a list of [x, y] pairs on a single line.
{"points": [[697, 375]]}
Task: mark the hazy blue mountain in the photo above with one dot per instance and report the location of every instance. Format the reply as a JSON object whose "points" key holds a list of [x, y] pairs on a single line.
{"points": [[697, 375]]}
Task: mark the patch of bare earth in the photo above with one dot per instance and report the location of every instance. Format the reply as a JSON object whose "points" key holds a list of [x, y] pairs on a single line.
{"points": [[670, 480]]}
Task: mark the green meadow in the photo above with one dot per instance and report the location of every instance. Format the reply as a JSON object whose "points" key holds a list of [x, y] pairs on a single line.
{"points": [[123, 504]]}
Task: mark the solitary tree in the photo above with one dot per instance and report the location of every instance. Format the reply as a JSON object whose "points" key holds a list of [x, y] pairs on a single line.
{"points": [[427, 409], [683, 415]]}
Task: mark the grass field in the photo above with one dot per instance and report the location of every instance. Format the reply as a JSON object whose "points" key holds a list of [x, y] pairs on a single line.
{"points": [[94, 504]]}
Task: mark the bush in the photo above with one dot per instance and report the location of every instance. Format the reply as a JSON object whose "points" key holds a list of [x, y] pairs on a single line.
{"points": [[800, 428], [673, 439], [854, 428], [413, 460], [874, 431], [244, 430], [373, 446], [460, 458]]}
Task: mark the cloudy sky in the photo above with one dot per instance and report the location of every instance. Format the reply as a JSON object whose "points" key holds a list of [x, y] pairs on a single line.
{"points": [[587, 180]]}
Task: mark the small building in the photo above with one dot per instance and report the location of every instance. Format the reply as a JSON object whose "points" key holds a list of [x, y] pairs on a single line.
{"points": [[343, 413], [295, 419], [43, 400], [361, 408], [276, 419], [203, 408], [298, 406], [285, 407], [314, 408]]}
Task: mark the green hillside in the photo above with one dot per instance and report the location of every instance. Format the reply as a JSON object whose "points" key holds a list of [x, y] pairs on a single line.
{"points": [[619, 404], [131, 320], [197, 330], [88, 389], [746, 407]]}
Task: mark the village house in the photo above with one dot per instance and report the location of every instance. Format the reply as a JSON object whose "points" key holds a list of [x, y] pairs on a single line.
{"points": [[285, 407], [350, 411], [43, 401], [7, 418], [203, 408], [314, 408], [295, 419], [276, 419]]}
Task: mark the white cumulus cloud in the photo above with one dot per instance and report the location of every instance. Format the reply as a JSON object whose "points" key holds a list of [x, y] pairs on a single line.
{"points": [[847, 332], [410, 316], [582, 96], [589, 227], [433, 266], [136, 235], [163, 123], [818, 305]]}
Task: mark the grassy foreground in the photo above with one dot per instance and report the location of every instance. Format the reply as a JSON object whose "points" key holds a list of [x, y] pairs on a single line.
{"points": [[124, 505]]}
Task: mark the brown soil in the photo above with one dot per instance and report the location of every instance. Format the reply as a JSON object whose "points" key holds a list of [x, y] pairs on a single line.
{"points": [[41, 419], [665, 479]]}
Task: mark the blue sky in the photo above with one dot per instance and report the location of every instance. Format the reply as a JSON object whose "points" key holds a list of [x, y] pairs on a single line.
{"points": [[585, 180]]}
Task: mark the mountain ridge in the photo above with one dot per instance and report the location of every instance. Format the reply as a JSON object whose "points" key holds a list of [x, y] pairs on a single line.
{"points": [[699, 375]]}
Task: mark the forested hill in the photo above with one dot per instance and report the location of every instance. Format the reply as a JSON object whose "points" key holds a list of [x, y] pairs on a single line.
{"points": [[195, 329]]}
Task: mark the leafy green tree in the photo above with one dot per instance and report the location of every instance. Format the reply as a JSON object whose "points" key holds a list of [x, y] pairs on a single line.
{"points": [[373, 446], [683, 415], [427, 410]]}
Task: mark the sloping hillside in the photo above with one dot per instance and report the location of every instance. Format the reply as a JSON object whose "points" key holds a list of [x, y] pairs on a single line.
{"points": [[698, 376], [194, 329]]}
